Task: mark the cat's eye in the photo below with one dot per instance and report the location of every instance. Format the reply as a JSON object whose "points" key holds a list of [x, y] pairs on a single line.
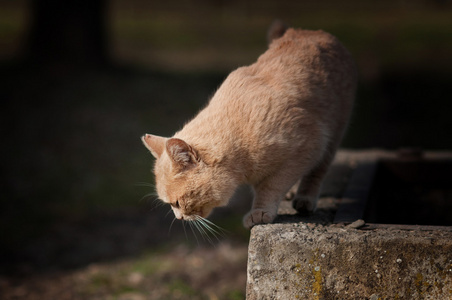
{"points": [[176, 205]]}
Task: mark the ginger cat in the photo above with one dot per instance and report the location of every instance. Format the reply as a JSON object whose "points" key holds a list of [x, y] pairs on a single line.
{"points": [[269, 124]]}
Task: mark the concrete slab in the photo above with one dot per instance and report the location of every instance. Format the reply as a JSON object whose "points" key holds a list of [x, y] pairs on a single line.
{"points": [[312, 261], [309, 257]]}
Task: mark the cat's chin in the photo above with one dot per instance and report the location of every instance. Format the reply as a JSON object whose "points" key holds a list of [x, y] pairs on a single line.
{"points": [[195, 217], [190, 218]]}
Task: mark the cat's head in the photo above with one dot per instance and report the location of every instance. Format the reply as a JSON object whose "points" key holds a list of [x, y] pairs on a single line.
{"points": [[184, 180]]}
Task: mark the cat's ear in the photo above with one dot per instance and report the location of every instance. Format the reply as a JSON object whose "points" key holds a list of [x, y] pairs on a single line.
{"points": [[181, 153], [155, 144]]}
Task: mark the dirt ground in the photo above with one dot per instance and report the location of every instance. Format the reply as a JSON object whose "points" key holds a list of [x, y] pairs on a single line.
{"points": [[177, 272], [134, 253]]}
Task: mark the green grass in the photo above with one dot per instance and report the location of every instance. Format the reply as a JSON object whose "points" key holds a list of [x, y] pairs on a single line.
{"points": [[153, 262], [181, 287], [235, 295]]}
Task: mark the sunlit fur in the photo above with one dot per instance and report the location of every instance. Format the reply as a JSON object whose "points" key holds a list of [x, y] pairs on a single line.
{"points": [[195, 189], [268, 125]]}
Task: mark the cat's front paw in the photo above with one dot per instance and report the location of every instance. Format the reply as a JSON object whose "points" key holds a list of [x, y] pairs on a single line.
{"points": [[258, 216], [304, 204]]}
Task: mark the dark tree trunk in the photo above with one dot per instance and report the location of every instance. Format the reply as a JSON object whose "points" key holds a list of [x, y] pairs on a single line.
{"points": [[68, 31]]}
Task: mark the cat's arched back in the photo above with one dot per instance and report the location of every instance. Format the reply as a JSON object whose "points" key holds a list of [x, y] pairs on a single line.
{"points": [[269, 125]]}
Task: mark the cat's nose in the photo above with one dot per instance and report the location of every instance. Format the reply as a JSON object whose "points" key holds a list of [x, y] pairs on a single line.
{"points": [[178, 214]]}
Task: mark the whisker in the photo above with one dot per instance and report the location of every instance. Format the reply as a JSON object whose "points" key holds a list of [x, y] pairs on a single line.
{"points": [[185, 232], [157, 202], [208, 232], [170, 210], [171, 225], [155, 197], [214, 235], [149, 195], [212, 231], [222, 230], [200, 227], [191, 227], [152, 198], [147, 184], [215, 225], [196, 225], [206, 225]]}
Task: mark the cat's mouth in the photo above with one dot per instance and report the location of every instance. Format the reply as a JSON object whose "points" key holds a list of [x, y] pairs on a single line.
{"points": [[190, 217], [193, 215]]}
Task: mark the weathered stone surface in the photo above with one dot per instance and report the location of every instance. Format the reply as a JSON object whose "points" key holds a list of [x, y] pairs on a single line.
{"points": [[309, 257], [294, 261]]}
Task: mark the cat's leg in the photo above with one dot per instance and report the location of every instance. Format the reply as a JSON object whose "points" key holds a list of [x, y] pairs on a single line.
{"points": [[267, 196], [306, 198], [290, 195]]}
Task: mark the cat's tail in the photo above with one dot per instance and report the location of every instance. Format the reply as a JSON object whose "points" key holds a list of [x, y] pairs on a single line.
{"points": [[276, 30]]}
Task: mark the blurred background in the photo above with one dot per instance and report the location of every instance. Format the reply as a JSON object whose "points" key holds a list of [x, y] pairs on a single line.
{"points": [[81, 81]]}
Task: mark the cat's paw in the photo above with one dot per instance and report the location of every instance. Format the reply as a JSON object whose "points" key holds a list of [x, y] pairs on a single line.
{"points": [[258, 216], [304, 204]]}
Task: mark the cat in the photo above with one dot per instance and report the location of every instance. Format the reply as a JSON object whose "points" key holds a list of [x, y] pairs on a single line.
{"points": [[268, 125]]}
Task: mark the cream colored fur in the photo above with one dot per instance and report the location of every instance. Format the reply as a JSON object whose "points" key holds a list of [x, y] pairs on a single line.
{"points": [[268, 125]]}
